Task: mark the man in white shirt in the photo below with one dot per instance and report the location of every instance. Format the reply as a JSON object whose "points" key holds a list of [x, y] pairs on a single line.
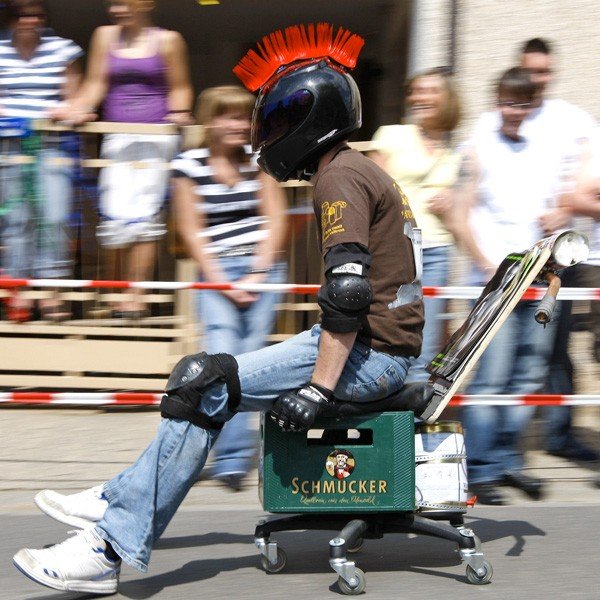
{"points": [[565, 128], [510, 183], [575, 131], [553, 119], [584, 202], [587, 202]]}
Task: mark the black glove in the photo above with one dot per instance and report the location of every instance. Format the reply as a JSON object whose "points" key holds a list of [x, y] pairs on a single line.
{"points": [[296, 411]]}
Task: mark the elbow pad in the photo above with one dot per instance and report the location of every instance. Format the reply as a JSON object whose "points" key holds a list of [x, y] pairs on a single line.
{"points": [[344, 299]]}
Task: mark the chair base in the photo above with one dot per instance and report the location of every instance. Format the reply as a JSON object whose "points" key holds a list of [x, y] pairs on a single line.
{"points": [[354, 528]]}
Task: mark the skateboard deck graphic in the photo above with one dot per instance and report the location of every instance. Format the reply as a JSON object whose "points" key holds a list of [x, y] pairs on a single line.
{"points": [[499, 297]]}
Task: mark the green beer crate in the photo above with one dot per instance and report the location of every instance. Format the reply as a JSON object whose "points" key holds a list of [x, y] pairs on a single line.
{"points": [[364, 463]]}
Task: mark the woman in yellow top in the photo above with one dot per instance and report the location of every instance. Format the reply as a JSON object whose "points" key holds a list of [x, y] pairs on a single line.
{"points": [[420, 157]]}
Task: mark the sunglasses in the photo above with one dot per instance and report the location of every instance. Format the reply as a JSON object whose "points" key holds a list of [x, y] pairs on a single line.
{"points": [[513, 104]]}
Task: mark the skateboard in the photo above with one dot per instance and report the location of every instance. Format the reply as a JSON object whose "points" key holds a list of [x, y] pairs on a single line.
{"points": [[499, 297]]}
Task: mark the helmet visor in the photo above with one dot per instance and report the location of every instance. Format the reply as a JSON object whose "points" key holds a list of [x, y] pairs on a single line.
{"points": [[274, 120]]}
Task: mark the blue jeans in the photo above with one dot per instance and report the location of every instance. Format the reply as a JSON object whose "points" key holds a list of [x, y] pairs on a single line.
{"points": [[516, 362], [558, 432], [143, 498], [35, 229], [435, 273], [234, 330]]}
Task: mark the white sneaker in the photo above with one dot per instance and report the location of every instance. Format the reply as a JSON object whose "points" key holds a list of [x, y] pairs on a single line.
{"points": [[78, 510], [78, 564]]}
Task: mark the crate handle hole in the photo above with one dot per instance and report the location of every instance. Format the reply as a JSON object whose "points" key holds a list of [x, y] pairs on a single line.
{"points": [[338, 437]]}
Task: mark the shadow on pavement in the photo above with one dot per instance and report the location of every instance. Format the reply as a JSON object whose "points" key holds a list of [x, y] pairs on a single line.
{"points": [[192, 572], [488, 530], [205, 539], [308, 553]]}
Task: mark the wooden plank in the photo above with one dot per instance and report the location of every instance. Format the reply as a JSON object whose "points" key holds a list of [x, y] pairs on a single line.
{"points": [[365, 146], [100, 127], [174, 321], [16, 159], [80, 355], [130, 297], [99, 163], [163, 298], [298, 306], [70, 328], [87, 382]]}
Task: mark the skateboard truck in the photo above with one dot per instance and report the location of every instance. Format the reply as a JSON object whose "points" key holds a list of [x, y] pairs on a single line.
{"points": [[544, 312]]}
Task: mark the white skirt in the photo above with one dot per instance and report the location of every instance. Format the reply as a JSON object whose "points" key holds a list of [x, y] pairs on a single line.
{"points": [[133, 191]]}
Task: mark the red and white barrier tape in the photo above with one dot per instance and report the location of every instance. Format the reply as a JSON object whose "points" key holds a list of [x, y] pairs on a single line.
{"points": [[456, 292], [81, 398], [526, 400], [148, 399]]}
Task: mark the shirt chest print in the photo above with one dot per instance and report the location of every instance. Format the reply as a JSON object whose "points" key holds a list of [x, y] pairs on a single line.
{"points": [[331, 215], [407, 212]]}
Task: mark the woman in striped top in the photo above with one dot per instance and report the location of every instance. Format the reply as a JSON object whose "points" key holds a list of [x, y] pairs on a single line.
{"points": [[38, 70], [231, 217]]}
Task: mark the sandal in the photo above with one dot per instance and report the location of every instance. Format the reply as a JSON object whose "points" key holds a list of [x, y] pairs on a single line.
{"points": [[18, 310], [131, 314], [131, 310], [53, 311]]}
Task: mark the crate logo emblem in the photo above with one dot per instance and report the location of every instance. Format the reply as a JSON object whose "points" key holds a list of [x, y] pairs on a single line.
{"points": [[340, 464]]}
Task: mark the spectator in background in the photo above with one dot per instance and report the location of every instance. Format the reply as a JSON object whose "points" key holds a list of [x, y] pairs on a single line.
{"points": [[420, 157], [575, 128], [552, 119], [584, 202], [537, 56], [4, 27], [567, 128], [140, 73], [232, 219], [508, 184], [38, 70]]}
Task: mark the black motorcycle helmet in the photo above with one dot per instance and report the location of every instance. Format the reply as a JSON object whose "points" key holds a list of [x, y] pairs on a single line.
{"points": [[308, 108]]}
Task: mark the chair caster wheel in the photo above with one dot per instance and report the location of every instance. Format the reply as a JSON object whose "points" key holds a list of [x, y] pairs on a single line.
{"points": [[357, 588], [357, 546], [485, 576], [278, 566]]}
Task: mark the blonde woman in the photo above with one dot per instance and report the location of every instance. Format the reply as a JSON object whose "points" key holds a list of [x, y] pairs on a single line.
{"points": [[419, 155], [231, 217]]}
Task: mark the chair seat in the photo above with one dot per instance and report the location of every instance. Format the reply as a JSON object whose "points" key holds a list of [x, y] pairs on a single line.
{"points": [[412, 396]]}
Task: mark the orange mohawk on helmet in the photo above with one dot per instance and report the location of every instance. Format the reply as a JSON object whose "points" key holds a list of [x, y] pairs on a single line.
{"points": [[297, 42]]}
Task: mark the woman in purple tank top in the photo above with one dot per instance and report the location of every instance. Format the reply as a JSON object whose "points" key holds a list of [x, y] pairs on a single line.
{"points": [[137, 73]]}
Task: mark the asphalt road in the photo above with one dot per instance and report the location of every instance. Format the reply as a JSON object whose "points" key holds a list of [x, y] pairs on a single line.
{"points": [[537, 552]]}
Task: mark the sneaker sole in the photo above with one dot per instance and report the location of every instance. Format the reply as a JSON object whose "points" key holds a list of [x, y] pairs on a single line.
{"points": [[59, 516], [93, 587]]}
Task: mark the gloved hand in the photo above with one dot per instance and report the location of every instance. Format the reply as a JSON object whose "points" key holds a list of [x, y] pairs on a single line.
{"points": [[297, 411]]}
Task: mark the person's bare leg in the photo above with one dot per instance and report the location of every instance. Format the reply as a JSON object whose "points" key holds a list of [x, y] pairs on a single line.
{"points": [[53, 308], [139, 263], [112, 269]]}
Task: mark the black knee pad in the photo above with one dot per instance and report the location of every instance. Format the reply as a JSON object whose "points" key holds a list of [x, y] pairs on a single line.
{"points": [[188, 381]]}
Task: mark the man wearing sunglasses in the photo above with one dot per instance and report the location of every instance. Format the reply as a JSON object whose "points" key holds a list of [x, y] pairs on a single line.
{"points": [[508, 180]]}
